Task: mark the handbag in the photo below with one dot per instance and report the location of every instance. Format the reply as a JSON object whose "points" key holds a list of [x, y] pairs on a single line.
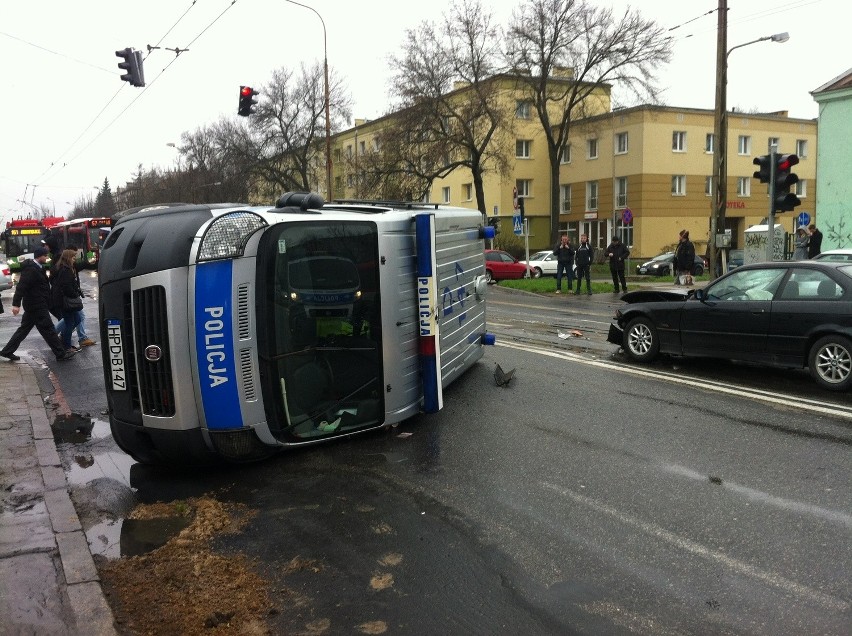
{"points": [[72, 303]]}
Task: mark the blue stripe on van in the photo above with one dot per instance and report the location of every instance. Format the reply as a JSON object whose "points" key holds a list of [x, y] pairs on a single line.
{"points": [[214, 344]]}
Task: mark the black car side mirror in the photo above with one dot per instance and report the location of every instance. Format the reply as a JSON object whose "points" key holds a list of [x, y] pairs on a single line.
{"points": [[698, 294]]}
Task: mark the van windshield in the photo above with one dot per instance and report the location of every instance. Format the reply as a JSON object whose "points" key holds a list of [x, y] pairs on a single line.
{"points": [[323, 327]]}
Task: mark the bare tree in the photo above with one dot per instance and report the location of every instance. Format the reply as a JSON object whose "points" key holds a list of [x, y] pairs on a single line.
{"points": [[566, 50], [287, 133], [450, 127]]}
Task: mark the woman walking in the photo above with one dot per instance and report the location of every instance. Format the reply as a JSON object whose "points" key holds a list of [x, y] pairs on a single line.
{"points": [[66, 295]]}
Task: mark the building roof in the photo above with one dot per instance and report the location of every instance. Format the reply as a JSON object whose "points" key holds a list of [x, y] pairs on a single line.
{"points": [[844, 80]]}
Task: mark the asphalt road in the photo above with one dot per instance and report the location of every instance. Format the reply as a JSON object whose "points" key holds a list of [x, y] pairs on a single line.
{"points": [[589, 496]]}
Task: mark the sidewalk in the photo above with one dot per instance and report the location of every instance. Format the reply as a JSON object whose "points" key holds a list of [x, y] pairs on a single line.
{"points": [[48, 580]]}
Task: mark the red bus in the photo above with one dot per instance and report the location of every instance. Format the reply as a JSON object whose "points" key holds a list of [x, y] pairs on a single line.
{"points": [[84, 235]]}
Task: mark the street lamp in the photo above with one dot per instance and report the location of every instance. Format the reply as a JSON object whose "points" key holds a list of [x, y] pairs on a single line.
{"points": [[720, 129], [327, 115]]}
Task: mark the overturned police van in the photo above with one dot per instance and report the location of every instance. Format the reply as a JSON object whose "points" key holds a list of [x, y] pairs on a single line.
{"points": [[231, 331]]}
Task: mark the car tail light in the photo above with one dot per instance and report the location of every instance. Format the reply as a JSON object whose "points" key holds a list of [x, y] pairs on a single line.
{"points": [[6, 271]]}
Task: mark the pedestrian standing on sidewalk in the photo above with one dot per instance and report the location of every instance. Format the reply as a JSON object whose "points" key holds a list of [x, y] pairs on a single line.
{"points": [[33, 291], [802, 239], [617, 253], [684, 259], [564, 263], [583, 259], [815, 241]]}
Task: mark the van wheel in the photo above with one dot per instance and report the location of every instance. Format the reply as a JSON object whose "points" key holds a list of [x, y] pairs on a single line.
{"points": [[640, 340], [830, 363]]}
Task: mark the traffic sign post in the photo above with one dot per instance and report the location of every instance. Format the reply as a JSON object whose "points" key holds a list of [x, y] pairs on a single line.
{"points": [[803, 219], [517, 225]]}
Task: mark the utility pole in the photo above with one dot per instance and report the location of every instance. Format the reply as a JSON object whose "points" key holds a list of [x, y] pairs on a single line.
{"points": [[720, 137]]}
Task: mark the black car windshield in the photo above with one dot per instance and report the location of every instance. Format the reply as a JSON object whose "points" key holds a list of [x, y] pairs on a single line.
{"points": [[753, 284]]}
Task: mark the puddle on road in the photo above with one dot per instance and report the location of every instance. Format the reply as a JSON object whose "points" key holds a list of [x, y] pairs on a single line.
{"points": [[99, 474]]}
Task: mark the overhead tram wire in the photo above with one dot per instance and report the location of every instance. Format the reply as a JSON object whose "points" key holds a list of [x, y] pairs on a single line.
{"points": [[126, 108]]}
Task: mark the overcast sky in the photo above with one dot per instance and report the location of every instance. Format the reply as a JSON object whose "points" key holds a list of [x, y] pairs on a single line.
{"points": [[68, 121]]}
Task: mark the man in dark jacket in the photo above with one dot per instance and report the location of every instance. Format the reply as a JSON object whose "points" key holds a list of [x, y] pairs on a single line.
{"points": [[564, 263], [815, 242], [617, 253], [33, 290], [684, 259], [583, 257]]}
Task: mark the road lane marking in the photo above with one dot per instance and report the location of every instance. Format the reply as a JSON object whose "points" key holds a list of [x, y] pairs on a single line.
{"points": [[764, 497], [813, 406], [786, 585]]}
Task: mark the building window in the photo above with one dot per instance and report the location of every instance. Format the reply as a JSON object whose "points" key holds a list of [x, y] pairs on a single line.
{"points": [[445, 194], [773, 141], [362, 147], [591, 195], [743, 186], [592, 149], [348, 152], [566, 154], [802, 189], [621, 192], [621, 143], [708, 186], [802, 148], [523, 148], [710, 143], [467, 188], [524, 187], [375, 144], [679, 141], [350, 181], [744, 145], [522, 109], [679, 185], [565, 198]]}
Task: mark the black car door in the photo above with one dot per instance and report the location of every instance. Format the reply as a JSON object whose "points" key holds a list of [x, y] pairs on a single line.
{"points": [[733, 320]]}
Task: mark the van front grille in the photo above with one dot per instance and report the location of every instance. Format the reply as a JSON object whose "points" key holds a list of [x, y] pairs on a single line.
{"points": [[152, 353]]}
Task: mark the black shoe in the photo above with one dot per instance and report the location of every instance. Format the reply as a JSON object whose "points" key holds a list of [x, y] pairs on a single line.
{"points": [[66, 356], [11, 357], [623, 290]]}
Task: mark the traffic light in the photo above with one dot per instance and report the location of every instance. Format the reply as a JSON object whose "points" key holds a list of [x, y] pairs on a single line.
{"points": [[247, 101], [765, 167], [132, 64], [785, 201]]}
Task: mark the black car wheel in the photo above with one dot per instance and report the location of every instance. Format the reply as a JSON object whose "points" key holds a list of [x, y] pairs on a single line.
{"points": [[698, 270], [830, 363], [536, 272], [640, 340]]}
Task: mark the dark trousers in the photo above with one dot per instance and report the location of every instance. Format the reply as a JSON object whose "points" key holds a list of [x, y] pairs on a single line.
{"points": [[42, 321], [618, 276], [564, 266], [584, 271]]}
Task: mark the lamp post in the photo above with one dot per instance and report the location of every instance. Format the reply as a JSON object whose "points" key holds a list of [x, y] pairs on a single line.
{"points": [[720, 129], [327, 109]]}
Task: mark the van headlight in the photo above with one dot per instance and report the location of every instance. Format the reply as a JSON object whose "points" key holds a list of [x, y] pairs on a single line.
{"points": [[227, 235]]}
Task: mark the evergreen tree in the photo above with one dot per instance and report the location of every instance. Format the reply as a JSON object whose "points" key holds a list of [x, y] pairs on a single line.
{"points": [[105, 203]]}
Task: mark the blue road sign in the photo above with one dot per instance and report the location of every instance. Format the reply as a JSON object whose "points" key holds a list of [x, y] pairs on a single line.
{"points": [[517, 226], [804, 218]]}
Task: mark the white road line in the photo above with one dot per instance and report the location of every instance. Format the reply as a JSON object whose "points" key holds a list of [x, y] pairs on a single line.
{"points": [[813, 406], [764, 497], [775, 580]]}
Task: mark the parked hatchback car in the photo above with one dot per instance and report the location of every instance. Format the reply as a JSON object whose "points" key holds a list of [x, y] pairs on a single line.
{"points": [[5, 276], [793, 314], [500, 265], [543, 262], [663, 265], [842, 255]]}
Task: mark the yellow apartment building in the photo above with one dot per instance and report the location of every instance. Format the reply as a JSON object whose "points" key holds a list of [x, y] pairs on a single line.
{"points": [[654, 162], [657, 162]]}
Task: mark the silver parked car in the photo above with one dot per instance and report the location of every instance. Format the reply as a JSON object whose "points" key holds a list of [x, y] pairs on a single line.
{"points": [[5, 276]]}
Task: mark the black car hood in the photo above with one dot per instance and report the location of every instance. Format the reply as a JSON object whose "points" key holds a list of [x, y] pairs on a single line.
{"points": [[651, 295]]}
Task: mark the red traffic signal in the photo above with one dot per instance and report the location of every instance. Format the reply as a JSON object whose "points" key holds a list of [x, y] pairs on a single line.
{"points": [[785, 201], [247, 101]]}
